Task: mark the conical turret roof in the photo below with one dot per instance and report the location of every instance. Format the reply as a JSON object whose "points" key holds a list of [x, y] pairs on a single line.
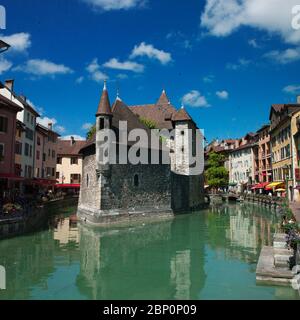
{"points": [[163, 99], [104, 104]]}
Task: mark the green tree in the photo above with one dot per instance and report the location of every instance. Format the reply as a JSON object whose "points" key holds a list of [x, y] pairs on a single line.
{"points": [[216, 175], [148, 123], [91, 132]]}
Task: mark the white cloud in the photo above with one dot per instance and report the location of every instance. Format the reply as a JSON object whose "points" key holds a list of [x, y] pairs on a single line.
{"points": [[285, 56], [222, 17], [292, 89], [18, 41], [209, 79], [60, 129], [122, 76], [44, 121], [40, 67], [108, 5], [222, 94], [126, 65], [148, 50], [241, 64], [95, 73], [5, 65], [194, 99], [75, 136], [79, 80], [253, 43], [86, 126]]}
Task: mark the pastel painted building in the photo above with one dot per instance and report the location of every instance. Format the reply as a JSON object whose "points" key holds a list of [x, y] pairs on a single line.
{"points": [[46, 152], [8, 113], [242, 167], [281, 144], [69, 161], [27, 116]]}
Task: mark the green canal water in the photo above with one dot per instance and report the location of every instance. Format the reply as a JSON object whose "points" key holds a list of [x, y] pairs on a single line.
{"points": [[211, 254]]}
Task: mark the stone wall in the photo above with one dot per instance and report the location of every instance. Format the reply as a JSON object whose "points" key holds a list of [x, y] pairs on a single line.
{"points": [[153, 190], [89, 192], [187, 192]]}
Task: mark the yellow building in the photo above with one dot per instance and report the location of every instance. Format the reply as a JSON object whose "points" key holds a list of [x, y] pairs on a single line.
{"points": [[281, 144], [295, 127], [69, 161]]}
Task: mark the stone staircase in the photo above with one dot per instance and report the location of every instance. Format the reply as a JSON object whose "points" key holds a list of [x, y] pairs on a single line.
{"points": [[273, 265]]}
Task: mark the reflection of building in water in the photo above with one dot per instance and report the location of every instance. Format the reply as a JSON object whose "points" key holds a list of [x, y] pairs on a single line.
{"points": [[66, 231], [180, 275], [249, 232], [242, 232], [155, 261]]}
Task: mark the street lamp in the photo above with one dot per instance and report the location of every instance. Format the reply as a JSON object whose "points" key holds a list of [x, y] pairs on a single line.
{"points": [[3, 46], [286, 168]]}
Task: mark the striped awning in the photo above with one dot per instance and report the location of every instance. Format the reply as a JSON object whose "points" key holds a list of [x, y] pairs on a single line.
{"points": [[274, 185]]}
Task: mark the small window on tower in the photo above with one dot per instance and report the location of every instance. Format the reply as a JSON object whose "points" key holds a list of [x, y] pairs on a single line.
{"points": [[136, 181], [87, 180], [182, 133], [101, 124]]}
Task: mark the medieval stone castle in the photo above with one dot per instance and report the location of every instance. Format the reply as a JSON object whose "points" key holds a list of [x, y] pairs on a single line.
{"points": [[115, 192]]}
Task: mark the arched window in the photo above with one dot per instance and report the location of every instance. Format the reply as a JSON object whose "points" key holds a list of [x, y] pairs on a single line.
{"points": [[87, 180], [136, 180]]}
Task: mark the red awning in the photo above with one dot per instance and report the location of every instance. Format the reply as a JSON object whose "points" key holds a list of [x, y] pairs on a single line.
{"points": [[10, 177], [260, 185], [67, 186], [44, 182]]}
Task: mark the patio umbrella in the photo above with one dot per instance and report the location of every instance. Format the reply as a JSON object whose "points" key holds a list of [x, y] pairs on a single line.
{"points": [[280, 190]]}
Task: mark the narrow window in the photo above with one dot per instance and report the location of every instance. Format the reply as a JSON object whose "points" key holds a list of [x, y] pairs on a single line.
{"points": [[87, 180], [101, 124], [136, 181]]}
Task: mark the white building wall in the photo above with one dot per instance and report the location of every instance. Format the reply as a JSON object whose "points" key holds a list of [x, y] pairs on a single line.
{"points": [[241, 161]]}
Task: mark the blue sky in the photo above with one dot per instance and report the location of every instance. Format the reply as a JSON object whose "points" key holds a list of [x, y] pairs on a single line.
{"points": [[227, 61]]}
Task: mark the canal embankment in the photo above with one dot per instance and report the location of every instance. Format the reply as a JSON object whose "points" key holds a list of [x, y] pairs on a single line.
{"points": [[33, 218]]}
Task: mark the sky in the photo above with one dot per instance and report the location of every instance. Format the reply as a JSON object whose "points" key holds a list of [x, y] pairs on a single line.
{"points": [[226, 61]]}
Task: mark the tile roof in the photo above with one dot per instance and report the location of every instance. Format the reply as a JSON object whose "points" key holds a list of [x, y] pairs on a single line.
{"points": [[182, 115], [66, 148]]}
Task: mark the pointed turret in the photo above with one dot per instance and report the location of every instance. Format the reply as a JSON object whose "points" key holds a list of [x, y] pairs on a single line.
{"points": [[163, 99], [104, 104], [182, 115]]}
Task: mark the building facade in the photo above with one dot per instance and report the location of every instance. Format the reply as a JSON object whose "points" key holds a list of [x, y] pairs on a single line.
{"points": [[264, 155], [8, 113], [115, 191], [46, 152], [242, 162], [281, 144], [27, 116], [69, 161], [295, 130]]}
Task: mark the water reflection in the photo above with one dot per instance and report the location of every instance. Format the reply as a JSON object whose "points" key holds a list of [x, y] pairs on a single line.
{"points": [[175, 259]]}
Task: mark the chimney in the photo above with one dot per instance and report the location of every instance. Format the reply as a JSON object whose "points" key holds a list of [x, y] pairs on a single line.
{"points": [[72, 141], [298, 99], [50, 126], [9, 84]]}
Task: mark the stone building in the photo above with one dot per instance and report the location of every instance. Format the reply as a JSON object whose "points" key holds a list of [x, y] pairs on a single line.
{"points": [[116, 191]]}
